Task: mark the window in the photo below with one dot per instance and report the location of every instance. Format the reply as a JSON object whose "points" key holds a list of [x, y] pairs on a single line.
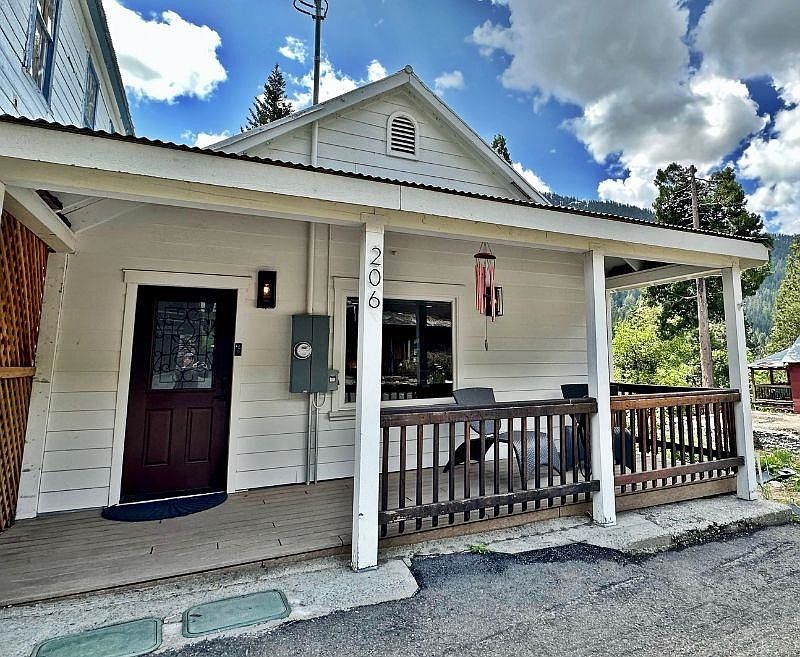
{"points": [[42, 43], [90, 99], [402, 136], [417, 360]]}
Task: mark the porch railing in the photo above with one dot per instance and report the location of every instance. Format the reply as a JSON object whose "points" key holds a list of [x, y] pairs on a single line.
{"points": [[773, 393], [673, 437], [517, 456]]}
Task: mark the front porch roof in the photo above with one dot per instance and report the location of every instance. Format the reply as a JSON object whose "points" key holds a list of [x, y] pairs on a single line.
{"points": [[35, 154]]}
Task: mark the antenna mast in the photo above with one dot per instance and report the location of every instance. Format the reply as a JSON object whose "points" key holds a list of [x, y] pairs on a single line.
{"points": [[318, 10]]}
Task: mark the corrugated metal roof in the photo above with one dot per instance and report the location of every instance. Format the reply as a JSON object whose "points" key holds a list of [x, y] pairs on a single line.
{"points": [[779, 358], [145, 141]]}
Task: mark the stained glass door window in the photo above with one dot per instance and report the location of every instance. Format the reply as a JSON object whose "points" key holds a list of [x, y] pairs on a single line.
{"points": [[183, 345]]}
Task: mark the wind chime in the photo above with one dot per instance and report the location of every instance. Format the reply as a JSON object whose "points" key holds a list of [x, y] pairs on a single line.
{"points": [[486, 294]]}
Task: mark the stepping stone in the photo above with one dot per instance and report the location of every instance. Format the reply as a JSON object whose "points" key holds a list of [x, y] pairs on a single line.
{"points": [[130, 639], [230, 613]]}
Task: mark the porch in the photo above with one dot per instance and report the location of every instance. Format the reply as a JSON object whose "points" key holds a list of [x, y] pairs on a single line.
{"points": [[683, 447]]}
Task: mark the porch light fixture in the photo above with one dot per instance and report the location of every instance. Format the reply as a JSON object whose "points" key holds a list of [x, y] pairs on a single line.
{"points": [[266, 291]]}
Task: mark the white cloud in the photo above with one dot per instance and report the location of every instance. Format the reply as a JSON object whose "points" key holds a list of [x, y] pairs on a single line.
{"points": [[535, 181], [763, 41], [164, 57], [642, 105], [451, 80], [204, 139], [376, 71], [295, 49], [332, 82]]}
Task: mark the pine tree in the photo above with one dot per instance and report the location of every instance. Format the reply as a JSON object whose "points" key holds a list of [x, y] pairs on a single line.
{"points": [[272, 104], [500, 147], [786, 326], [722, 209]]}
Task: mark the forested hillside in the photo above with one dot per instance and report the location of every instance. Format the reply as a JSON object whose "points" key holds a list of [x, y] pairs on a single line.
{"points": [[759, 308]]}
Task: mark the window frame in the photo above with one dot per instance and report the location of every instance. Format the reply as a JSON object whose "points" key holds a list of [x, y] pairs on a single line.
{"points": [[34, 23], [345, 287], [91, 74]]}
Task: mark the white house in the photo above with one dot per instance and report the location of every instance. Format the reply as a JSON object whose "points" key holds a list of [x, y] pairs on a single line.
{"points": [[57, 63], [158, 374]]}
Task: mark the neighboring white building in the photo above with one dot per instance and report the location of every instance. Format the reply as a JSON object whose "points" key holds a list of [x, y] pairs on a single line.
{"points": [[368, 209], [57, 63]]}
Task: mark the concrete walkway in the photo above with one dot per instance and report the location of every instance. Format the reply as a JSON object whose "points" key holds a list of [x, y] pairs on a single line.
{"points": [[319, 588]]}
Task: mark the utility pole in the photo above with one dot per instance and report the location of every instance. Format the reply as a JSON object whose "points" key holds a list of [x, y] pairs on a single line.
{"points": [[703, 333]]}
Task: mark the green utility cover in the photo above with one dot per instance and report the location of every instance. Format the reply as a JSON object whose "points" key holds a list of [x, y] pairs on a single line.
{"points": [[309, 364], [130, 639], [229, 613]]}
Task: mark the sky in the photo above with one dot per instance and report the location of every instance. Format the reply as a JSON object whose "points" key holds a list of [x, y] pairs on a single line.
{"points": [[593, 97]]}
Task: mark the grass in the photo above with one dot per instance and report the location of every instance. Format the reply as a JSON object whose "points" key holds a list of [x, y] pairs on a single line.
{"points": [[783, 490], [479, 548]]}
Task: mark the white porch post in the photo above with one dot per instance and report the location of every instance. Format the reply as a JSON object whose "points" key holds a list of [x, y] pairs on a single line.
{"points": [[737, 370], [604, 511], [368, 398]]}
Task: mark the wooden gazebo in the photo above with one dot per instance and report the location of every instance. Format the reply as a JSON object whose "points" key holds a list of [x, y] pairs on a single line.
{"points": [[783, 389]]}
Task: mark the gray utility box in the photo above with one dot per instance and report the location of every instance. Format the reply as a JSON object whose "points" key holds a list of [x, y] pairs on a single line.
{"points": [[309, 370]]}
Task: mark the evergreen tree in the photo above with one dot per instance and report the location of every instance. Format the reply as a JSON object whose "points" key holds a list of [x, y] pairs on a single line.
{"points": [[722, 209], [786, 326], [500, 147], [272, 104]]}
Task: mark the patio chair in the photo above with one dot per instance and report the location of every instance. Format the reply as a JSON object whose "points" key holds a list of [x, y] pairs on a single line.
{"points": [[578, 391], [493, 433]]}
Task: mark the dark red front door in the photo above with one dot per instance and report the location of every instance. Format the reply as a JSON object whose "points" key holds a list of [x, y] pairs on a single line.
{"points": [[176, 439]]}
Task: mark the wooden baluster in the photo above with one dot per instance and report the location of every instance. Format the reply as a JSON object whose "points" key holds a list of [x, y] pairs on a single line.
{"points": [[700, 448], [451, 475], [435, 483], [634, 444], [524, 474], [401, 502], [673, 456], [467, 468], [385, 478], [730, 434], [537, 449], [642, 427], [575, 455], [587, 455], [663, 436], [623, 449], [709, 440], [496, 463], [420, 453], [510, 460], [653, 443], [550, 456], [482, 466], [562, 466], [681, 432], [690, 436]]}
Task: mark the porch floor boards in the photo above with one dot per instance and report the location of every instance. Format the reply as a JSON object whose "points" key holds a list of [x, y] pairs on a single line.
{"points": [[75, 552]]}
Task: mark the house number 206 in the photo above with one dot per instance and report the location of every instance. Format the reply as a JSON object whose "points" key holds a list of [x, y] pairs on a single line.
{"points": [[374, 276]]}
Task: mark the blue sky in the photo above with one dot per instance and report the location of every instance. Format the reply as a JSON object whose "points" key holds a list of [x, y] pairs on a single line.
{"points": [[591, 97]]}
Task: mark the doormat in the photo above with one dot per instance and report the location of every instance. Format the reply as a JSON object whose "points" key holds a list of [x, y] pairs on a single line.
{"points": [[130, 639], [162, 509], [230, 613]]}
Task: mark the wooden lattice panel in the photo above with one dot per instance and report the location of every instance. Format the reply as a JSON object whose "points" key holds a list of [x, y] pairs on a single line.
{"points": [[23, 258]]}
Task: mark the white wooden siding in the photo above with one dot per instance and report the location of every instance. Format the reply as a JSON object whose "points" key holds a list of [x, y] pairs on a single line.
{"points": [[355, 140], [538, 345], [19, 95]]}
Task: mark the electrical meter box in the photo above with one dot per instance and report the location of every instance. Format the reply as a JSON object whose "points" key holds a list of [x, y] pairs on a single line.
{"points": [[309, 368]]}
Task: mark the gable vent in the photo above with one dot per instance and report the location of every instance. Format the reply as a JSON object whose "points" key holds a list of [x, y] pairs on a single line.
{"points": [[402, 138]]}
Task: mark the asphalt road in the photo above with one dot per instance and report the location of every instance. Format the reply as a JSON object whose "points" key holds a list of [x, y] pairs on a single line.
{"points": [[738, 596]]}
